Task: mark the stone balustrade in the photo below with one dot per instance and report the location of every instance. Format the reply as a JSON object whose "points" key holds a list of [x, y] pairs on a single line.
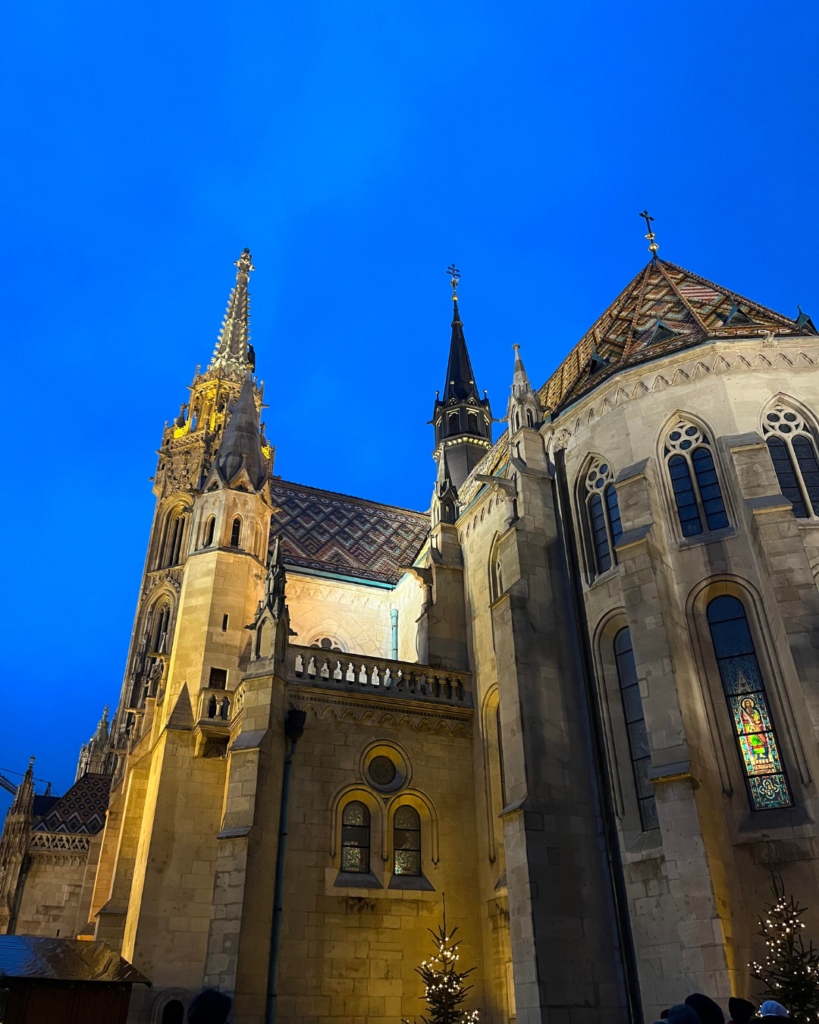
{"points": [[219, 706], [361, 674], [59, 842]]}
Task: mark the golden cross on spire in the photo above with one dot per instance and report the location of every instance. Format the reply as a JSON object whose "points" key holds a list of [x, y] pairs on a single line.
{"points": [[455, 277], [653, 247]]}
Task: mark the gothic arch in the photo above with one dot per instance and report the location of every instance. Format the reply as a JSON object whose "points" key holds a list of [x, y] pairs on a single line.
{"points": [[597, 514], [667, 449], [168, 995], [339, 801], [773, 672], [492, 755], [789, 428], [168, 542]]}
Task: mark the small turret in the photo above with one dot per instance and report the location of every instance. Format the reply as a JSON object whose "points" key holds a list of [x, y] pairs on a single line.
{"points": [[96, 757], [444, 507], [240, 451], [524, 409], [462, 419], [271, 623]]}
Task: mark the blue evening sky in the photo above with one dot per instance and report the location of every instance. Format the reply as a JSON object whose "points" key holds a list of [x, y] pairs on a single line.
{"points": [[357, 149]]}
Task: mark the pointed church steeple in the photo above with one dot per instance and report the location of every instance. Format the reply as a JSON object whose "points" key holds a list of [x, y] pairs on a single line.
{"points": [[241, 445], [462, 419], [233, 352], [524, 406]]}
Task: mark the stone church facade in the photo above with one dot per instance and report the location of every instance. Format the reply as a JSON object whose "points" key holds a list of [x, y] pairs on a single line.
{"points": [[578, 696]]}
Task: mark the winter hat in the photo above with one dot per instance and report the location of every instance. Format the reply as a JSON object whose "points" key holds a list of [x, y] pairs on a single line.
{"points": [[209, 1007], [741, 1010], [706, 1009], [771, 1008], [682, 1014]]}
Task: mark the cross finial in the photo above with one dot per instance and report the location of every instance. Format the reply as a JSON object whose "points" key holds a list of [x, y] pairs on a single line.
{"points": [[244, 263], [652, 247], [455, 277]]}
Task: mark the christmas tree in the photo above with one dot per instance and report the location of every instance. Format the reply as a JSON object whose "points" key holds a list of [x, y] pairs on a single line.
{"points": [[791, 970], [444, 988]]}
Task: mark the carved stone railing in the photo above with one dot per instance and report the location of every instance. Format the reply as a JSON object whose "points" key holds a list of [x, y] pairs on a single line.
{"points": [[219, 707], [59, 842], [357, 673]]}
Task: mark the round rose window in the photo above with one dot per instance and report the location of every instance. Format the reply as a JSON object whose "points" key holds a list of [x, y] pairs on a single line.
{"points": [[382, 770]]}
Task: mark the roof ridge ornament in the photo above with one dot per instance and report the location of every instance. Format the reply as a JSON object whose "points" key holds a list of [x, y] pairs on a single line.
{"points": [[652, 247]]}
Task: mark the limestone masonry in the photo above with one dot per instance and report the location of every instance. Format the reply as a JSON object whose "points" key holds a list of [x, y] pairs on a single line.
{"points": [[579, 695]]}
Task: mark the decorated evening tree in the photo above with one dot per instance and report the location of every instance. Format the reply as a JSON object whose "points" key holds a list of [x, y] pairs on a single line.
{"points": [[444, 988], [791, 969]]}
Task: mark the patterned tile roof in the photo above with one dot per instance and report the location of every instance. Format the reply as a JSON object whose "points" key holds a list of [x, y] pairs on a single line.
{"points": [[349, 536], [82, 809], [663, 309]]}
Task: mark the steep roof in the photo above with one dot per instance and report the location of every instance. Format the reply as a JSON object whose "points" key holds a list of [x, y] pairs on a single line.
{"points": [[30, 956], [460, 380], [241, 445], [82, 809], [663, 309], [343, 535]]}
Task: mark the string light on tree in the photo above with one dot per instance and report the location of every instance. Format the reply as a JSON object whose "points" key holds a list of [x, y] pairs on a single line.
{"points": [[791, 970], [444, 988]]}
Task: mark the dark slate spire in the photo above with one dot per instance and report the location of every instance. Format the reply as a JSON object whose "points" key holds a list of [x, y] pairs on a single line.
{"points": [[463, 420], [460, 380], [241, 446]]}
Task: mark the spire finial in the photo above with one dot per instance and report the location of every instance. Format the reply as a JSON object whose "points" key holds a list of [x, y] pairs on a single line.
{"points": [[244, 263], [652, 246], [455, 277]]}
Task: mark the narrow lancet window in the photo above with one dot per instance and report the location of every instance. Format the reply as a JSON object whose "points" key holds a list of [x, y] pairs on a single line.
{"points": [[793, 451], [407, 841], [235, 532], [694, 480], [355, 838], [636, 728], [603, 527], [211, 526], [748, 704]]}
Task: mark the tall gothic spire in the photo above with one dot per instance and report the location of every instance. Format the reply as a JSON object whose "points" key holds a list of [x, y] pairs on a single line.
{"points": [[233, 352], [462, 419]]}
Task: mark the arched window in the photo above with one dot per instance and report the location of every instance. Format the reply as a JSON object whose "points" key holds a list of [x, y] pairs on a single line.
{"points": [[355, 838], [793, 451], [454, 423], [160, 633], [173, 1012], [260, 639], [636, 728], [602, 515], [495, 573], [209, 528], [472, 422], [530, 419], [750, 715], [406, 841], [235, 532], [501, 767], [694, 479]]}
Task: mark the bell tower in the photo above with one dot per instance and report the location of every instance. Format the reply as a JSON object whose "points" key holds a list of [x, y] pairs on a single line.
{"points": [[186, 456], [462, 419]]}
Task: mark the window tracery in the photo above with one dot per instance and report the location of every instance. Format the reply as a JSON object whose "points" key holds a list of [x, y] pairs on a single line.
{"points": [[355, 838], [326, 643], [406, 832], [602, 509], [744, 690], [694, 480], [793, 452]]}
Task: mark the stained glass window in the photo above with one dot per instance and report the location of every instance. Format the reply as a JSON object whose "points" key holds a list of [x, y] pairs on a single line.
{"points": [[636, 728], [406, 841], [694, 480], [793, 452], [355, 838], [745, 693], [603, 516]]}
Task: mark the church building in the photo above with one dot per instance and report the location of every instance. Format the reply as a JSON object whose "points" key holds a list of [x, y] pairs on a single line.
{"points": [[575, 702]]}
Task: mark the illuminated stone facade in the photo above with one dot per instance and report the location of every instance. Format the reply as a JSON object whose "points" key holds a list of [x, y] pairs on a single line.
{"points": [[577, 696]]}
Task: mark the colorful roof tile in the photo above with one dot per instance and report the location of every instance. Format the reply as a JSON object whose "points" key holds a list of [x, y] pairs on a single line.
{"points": [[81, 810], [663, 309], [343, 535]]}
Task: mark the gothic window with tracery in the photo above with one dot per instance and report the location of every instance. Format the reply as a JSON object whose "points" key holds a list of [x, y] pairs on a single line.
{"points": [[694, 479], [326, 643], [406, 831], [602, 515], [636, 728], [355, 838], [793, 451], [744, 691]]}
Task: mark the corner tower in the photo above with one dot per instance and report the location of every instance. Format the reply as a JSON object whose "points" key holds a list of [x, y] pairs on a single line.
{"points": [[462, 419]]}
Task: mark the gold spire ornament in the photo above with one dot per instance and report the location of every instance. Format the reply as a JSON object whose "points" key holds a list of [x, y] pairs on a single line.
{"points": [[652, 247], [455, 277]]}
